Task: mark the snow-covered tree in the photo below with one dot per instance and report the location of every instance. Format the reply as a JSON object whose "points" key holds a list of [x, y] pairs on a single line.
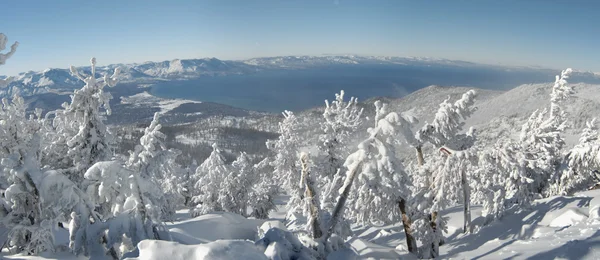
{"points": [[451, 184], [156, 174], [263, 192], [210, 175], [5, 56], [310, 202], [341, 120], [131, 215], [188, 182], [378, 177], [501, 179], [79, 129], [583, 161], [236, 186], [136, 196], [29, 230], [285, 162], [437, 174], [542, 141], [448, 122]]}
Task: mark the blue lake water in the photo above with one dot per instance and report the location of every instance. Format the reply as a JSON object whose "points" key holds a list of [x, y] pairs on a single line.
{"points": [[277, 90]]}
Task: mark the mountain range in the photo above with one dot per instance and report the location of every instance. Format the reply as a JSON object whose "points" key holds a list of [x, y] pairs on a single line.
{"points": [[53, 80]]}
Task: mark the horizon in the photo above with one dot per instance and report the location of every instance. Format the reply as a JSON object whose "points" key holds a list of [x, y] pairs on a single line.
{"points": [[552, 35], [267, 57]]}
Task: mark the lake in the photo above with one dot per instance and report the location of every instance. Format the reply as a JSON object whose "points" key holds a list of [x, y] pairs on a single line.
{"points": [[278, 90]]}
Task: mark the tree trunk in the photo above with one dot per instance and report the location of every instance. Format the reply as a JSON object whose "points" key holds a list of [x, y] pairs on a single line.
{"points": [[410, 240], [309, 194], [467, 203], [435, 246], [341, 203], [420, 159]]}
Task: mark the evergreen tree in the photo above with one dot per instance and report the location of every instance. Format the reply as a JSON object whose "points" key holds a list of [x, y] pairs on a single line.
{"points": [[79, 130], [210, 175]]}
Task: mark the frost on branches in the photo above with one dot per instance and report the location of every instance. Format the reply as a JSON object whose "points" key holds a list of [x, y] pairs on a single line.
{"points": [[135, 196], [381, 181], [443, 180], [341, 119], [515, 173], [583, 161], [501, 178], [5, 56], [210, 175], [375, 179], [157, 174], [285, 162], [235, 190], [542, 141], [22, 211], [264, 191], [79, 129], [448, 122]]}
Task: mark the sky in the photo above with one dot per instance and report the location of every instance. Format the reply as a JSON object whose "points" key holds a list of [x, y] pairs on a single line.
{"points": [[55, 34]]}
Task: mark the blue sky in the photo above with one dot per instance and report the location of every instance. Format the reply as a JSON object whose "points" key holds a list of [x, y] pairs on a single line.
{"points": [[553, 34]]}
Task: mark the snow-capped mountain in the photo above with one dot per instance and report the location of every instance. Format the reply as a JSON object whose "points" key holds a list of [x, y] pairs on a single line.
{"points": [[191, 68], [60, 80], [31, 82]]}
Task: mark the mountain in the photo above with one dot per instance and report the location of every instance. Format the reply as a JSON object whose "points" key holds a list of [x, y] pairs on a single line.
{"points": [[501, 114], [56, 80], [192, 68]]}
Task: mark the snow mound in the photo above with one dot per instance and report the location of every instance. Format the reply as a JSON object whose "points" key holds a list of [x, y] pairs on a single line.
{"points": [[218, 250], [368, 250], [262, 230], [594, 209], [569, 217], [214, 226]]}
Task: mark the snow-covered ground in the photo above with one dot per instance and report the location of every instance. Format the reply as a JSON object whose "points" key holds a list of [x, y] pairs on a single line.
{"points": [[562, 227], [145, 98]]}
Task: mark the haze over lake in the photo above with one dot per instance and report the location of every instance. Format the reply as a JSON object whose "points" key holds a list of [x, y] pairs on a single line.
{"points": [[278, 90]]}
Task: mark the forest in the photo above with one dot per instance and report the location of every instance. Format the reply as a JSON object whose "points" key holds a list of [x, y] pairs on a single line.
{"points": [[63, 169]]}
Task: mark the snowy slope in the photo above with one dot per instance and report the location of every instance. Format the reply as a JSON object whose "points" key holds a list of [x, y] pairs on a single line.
{"points": [[556, 227], [501, 114], [560, 227], [504, 114]]}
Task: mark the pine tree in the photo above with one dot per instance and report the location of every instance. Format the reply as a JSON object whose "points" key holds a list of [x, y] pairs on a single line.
{"points": [[264, 190], [79, 128], [154, 169], [235, 191], [377, 176], [210, 175], [583, 162], [542, 142], [341, 120], [29, 230], [285, 162], [5, 56]]}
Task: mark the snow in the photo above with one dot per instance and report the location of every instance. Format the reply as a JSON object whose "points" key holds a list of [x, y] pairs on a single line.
{"points": [[552, 228], [214, 226], [217, 250], [184, 139], [594, 212], [368, 250], [570, 217], [145, 98]]}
